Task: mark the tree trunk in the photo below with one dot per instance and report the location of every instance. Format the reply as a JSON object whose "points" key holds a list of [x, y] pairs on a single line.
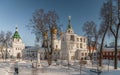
{"points": [[49, 59], [116, 39], [115, 55], [101, 48]]}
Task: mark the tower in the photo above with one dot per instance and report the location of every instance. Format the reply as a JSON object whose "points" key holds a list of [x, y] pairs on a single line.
{"points": [[16, 36], [17, 45], [72, 43], [69, 27]]}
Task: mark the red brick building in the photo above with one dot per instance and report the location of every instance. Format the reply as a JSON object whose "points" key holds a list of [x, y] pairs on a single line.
{"points": [[108, 53]]}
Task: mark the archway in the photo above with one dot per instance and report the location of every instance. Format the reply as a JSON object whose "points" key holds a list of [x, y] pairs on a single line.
{"points": [[18, 55]]}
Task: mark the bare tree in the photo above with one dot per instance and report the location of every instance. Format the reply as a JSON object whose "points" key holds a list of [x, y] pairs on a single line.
{"points": [[115, 25], [91, 33], [104, 27], [5, 43], [44, 25], [111, 16]]}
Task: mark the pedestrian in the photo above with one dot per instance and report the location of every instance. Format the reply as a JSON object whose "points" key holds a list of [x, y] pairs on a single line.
{"points": [[16, 69]]}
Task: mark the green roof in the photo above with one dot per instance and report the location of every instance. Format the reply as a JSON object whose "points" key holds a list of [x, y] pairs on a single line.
{"points": [[16, 35], [69, 25]]}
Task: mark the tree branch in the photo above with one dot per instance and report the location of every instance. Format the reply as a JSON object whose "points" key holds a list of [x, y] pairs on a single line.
{"points": [[112, 31]]}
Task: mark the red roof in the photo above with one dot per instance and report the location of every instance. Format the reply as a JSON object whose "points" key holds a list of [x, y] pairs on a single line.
{"points": [[91, 48]]}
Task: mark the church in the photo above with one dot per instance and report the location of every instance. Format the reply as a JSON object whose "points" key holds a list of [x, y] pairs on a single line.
{"points": [[17, 46], [73, 46]]}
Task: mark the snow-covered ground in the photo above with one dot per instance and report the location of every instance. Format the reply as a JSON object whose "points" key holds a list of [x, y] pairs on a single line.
{"points": [[25, 68]]}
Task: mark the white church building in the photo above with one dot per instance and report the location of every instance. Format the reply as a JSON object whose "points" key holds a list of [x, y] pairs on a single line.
{"points": [[17, 44], [73, 46], [16, 49]]}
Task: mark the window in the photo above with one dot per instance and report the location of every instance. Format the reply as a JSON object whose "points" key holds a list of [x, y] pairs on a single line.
{"points": [[94, 54], [80, 45], [68, 31], [84, 40], [77, 45], [82, 54], [72, 37], [110, 53], [106, 53], [77, 39], [56, 46], [80, 39]]}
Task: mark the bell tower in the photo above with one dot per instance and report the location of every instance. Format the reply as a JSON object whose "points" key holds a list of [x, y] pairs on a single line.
{"points": [[69, 27], [17, 44]]}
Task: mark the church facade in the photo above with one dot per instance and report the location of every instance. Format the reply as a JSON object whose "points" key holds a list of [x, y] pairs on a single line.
{"points": [[73, 46], [16, 48], [17, 45]]}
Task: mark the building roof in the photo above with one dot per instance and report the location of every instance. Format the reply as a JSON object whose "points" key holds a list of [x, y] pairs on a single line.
{"points": [[69, 26], [110, 48], [91, 48], [69, 23], [16, 34]]}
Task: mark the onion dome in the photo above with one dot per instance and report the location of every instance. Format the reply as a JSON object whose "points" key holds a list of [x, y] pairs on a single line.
{"points": [[54, 30], [16, 34]]}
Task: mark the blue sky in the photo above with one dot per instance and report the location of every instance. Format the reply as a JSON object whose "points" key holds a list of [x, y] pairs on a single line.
{"points": [[19, 12]]}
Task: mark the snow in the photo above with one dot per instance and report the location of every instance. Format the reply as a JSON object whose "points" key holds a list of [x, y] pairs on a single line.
{"points": [[58, 68]]}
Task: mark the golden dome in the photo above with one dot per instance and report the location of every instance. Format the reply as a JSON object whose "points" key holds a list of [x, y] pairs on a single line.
{"points": [[54, 30]]}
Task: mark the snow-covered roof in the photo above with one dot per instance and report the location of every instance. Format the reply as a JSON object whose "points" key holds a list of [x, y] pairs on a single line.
{"points": [[110, 48]]}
